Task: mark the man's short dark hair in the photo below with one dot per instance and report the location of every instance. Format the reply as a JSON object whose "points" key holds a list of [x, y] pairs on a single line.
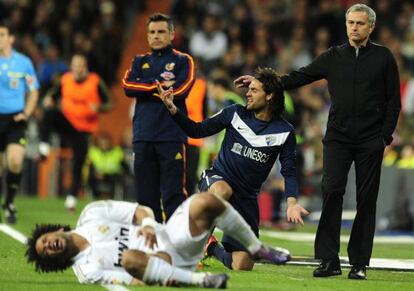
{"points": [[46, 264], [157, 17], [6, 24], [272, 85], [220, 81]]}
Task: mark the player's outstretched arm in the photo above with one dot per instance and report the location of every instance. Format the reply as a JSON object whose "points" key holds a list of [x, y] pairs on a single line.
{"points": [[294, 211]]}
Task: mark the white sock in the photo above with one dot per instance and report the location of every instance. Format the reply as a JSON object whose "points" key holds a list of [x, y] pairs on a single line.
{"points": [[161, 272], [232, 224]]}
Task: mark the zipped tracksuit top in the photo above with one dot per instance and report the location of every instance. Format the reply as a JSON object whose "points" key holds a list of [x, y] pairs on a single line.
{"points": [[152, 121], [364, 87]]}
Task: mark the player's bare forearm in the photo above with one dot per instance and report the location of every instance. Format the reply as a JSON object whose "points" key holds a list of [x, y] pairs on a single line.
{"points": [[142, 212], [31, 102]]}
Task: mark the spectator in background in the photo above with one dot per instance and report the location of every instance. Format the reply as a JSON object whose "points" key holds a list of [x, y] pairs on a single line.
{"points": [[51, 68], [159, 144], [107, 165], [219, 89], [71, 109], [209, 44], [19, 94]]}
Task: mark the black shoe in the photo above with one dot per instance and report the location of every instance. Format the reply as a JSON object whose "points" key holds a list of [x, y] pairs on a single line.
{"points": [[10, 213], [358, 272], [328, 268]]}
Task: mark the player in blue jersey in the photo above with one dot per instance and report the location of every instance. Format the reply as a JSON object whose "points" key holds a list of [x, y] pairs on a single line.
{"points": [[256, 135], [19, 94]]}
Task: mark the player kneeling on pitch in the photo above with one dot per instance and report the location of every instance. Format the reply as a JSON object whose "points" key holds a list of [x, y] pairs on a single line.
{"points": [[121, 243]]}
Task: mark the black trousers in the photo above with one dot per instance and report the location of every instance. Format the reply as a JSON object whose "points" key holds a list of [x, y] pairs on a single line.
{"points": [[159, 176], [192, 161], [337, 160], [55, 121]]}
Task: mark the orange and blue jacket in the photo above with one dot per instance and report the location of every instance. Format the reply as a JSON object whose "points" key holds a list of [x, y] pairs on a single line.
{"points": [[152, 121]]}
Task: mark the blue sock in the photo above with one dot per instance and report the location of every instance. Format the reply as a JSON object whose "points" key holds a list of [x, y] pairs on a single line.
{"points": [[222, 255]]}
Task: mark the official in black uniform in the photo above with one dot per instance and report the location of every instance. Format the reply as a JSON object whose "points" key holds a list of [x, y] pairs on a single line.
{"points": [[158, 143], [364, 87]]}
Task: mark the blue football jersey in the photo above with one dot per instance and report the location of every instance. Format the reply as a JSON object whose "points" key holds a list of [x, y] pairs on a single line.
{"points": [[17, 77], [249, 149]]}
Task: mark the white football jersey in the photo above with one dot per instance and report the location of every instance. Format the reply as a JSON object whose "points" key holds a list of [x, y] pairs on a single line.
{"points": [[107, 226]]}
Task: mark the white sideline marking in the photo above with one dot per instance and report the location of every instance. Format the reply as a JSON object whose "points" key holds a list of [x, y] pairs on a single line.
{"points": [[115, 287], [13, 233], [310, 237], [375, 263], [23, 239]]}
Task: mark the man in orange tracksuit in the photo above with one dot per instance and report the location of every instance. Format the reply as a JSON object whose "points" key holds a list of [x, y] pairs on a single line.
{"points": [[71, 109]]}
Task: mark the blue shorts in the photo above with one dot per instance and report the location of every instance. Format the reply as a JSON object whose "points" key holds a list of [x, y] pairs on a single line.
{"points": [[246, 205]]}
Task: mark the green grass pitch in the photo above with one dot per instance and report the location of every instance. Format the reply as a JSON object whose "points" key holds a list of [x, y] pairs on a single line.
{"points": [[16, 274]]}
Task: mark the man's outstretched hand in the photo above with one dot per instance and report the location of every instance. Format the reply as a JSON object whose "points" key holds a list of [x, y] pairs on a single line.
{"points": [[294, 211]]}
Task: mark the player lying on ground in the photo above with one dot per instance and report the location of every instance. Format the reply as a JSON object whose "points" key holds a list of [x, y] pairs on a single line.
{"points": [[120, 242]]}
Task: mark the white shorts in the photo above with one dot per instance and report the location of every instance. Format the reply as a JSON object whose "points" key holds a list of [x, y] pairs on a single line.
{"points": [[185, 250]]}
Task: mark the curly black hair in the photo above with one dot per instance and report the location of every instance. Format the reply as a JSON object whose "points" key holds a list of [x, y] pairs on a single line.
{"points": [[46, 264], [272, 85]]}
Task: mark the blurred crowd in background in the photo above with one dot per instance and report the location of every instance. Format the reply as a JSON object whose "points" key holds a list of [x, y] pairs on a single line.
{"points": [[229, 38]]}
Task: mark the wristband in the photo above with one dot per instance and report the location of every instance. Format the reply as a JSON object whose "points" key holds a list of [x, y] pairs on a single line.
{"points": [[149, 221]]}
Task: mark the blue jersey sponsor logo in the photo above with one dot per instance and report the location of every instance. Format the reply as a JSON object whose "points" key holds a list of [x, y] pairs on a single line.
{"points": [[250, 153]]}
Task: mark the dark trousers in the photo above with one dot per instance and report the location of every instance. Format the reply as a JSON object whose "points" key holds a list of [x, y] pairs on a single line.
{"points": [[159, 176], [55, 121], [337, 160], [192, 160]]}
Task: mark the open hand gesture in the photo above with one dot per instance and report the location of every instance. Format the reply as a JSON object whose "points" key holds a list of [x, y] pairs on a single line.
{"points": [[167, 97], [294, 214]]}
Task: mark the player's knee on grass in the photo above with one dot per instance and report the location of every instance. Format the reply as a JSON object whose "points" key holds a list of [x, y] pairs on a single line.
{"points": [[134, 262], [222, 189], [242, 261]]}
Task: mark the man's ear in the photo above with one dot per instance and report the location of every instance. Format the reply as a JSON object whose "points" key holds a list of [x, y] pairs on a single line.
{"points": [[269, 97]]}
